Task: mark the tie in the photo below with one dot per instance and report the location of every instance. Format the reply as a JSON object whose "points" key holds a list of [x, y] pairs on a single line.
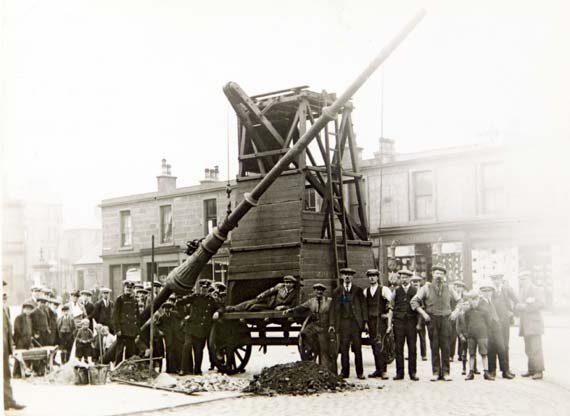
{"points": [[318, 305]]}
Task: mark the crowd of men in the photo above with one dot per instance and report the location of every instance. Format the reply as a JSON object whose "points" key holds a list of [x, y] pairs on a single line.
{"points": [[458, 322]]}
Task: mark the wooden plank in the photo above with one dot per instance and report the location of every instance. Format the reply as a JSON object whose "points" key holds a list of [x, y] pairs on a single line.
{"points": [[259, 267], [255, 275], [237, 260], [254, 234], [263, 241], [264, 247]]}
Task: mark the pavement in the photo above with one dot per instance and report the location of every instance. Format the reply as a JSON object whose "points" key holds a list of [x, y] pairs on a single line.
{"points": [[520, 396]]}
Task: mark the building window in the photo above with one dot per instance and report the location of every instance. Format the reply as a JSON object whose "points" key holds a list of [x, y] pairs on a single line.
{"points": [[493, 192], [126, 229], [210, 215], [313, 200], [423, 194], [166, 224]]}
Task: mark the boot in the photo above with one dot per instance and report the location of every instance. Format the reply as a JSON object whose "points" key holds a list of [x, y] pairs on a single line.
{"points": [[488, 376], [470, 376]]}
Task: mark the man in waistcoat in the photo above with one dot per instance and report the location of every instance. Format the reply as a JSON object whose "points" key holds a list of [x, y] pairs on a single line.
{"points": [[405, 321], [433, 302], [349, 314], [378, 304]]}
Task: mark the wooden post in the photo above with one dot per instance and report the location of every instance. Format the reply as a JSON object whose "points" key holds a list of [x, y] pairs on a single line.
{"points": [[152, 268]]}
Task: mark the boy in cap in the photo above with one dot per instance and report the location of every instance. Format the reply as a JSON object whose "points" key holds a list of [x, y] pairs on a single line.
{"points": [[317, 326], [379, 319], [349, 314], [83, 342], [474, 327], [66, 333]]}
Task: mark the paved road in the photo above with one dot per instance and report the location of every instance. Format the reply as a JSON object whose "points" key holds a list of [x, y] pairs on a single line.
{"points": [[458, 397]]}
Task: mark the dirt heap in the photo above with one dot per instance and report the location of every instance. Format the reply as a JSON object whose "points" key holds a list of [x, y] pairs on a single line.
{"points": [[133, 369], [298, 378]]}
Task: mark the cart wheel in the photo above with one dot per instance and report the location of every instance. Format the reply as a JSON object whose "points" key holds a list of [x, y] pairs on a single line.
{"points": [[306, 353], [229, 344]]}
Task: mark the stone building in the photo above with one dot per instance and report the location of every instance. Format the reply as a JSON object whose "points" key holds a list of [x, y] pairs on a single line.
{"points": [[471, 208], [173, 215]]}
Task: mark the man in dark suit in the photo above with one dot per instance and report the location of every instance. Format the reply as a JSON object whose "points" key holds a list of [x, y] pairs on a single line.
{"points": [[405, 321], [40, 322], [350, 314], [126, 323], [9, 402], [379, 319], [88, 306], [531, 324], [103, 311]]}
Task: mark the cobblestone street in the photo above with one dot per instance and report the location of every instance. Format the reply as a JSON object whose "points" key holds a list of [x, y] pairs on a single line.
{"points": [[479, 397], [520, 396]]}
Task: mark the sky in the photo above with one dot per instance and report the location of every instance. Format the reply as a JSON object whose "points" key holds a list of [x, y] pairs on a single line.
{"points": [[95, 93]]}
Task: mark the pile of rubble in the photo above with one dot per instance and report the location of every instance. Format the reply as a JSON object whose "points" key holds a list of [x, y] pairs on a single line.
{"points": [[212, 382], [133, 369], [298, 378]]}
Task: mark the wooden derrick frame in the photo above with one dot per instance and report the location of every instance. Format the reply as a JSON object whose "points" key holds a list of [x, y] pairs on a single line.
{"points": [[270, 124]]}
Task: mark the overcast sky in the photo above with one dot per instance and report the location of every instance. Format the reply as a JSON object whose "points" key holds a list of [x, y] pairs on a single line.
{"points": [[95, 93]]}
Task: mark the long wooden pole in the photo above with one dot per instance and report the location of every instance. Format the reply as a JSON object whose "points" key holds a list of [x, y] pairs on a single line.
{"points": [[151, 364], [183, 277]]}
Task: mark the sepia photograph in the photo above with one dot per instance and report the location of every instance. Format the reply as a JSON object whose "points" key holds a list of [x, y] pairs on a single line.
{"points": [[285, 207]]}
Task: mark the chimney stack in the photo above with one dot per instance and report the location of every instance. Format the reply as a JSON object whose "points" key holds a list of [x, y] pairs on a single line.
{"points": [[166, 183], [387, 150], [210, 175]]}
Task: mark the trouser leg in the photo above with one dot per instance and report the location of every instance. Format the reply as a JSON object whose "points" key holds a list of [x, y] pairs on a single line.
{"points": [[533, 349], [399, 339], [444, 334], [411, 342], [433, 332], [422, 335], [120, 346], [344, 347], [187, 365], [356, 341], [373, 326], [198, 344]]}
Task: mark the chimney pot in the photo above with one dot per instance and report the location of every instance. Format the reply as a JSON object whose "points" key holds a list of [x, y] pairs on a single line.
{"points": [[168, 170]]}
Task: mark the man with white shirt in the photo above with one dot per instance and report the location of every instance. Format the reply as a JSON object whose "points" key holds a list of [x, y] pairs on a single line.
{"points": [[405, 321], [349, 314], [378, 304]]}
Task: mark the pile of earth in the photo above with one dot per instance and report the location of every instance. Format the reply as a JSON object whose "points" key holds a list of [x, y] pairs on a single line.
{"points": [[211, 382], [133, 369], [298, 378]]}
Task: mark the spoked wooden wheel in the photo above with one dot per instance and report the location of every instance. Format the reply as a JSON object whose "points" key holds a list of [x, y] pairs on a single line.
{"points": [[230, 346], [306, 352]]}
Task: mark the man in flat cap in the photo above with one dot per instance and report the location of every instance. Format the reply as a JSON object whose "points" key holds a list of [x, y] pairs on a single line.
{"points": [[405, 321], [280, 297], [531, 325], [433, 302], [349, 315], [378, 300], [317, 327], [200, 310], [103, 311], [504, 299], [40, 322], [87, 305], [126, 323]]}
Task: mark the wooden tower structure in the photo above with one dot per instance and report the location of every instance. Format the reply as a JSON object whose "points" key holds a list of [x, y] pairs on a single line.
{"points": [[312, 221]]}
